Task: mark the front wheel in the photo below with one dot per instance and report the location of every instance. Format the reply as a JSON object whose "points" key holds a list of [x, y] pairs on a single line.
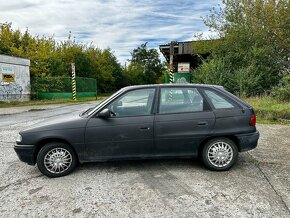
{"points": [[220, 154], [56, 159]]}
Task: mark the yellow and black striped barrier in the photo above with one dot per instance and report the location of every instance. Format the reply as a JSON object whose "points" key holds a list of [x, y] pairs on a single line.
{"points": [[171, 82], [171, 76], [73, 81]]}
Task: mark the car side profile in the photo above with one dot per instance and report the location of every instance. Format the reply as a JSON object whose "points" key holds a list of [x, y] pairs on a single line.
{"points": [[144, 122]]}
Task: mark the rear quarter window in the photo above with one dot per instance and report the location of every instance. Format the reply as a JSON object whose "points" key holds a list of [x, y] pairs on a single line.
{"points": [[218, 100]]}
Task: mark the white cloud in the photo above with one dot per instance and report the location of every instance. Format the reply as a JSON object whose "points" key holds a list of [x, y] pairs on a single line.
{"points": [[120, 24]]}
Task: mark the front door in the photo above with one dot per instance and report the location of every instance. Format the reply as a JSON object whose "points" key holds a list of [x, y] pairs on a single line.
{"points": [[183, 120], [128, 132]]}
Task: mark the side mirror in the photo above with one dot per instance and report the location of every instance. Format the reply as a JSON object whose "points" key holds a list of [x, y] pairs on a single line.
{"points": [[105, 113]]}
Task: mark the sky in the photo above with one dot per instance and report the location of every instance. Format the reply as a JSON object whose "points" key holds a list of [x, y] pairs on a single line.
{"points": [[121, 25]]}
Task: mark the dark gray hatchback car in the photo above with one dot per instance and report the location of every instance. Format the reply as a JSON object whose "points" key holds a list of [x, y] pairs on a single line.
{"points": [[142, 122]]}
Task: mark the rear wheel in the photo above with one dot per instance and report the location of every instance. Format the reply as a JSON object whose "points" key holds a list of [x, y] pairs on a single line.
{"points": [[220, 154], [56, 159]]}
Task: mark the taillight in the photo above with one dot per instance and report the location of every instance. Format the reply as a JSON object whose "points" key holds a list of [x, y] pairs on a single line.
{"points": [[253, 120]]}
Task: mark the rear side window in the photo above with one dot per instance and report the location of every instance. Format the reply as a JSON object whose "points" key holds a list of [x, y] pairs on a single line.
{"points": [[178, 100], [218, 101]]}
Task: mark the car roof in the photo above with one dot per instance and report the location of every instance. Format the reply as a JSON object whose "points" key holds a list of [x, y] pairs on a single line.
{"points": [[170, 85]]}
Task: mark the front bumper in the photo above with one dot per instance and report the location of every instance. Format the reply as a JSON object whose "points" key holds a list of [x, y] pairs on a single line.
{"points": [[26, 153], [248, 141]]}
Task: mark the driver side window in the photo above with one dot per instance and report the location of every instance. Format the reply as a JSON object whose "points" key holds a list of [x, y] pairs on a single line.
{"points": [[133, 103]]}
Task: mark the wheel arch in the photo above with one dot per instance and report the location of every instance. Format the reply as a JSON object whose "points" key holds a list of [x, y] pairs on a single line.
{"points": [[40, 144], [231, 137]]}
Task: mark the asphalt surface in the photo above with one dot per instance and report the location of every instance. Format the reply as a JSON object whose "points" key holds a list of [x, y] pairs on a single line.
{"points": [[258, 186]]}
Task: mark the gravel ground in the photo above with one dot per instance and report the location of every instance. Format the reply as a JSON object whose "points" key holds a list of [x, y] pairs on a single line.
{"points": [[258, 186]]}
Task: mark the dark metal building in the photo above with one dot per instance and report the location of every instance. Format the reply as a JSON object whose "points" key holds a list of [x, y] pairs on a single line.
{"points": [[183, 52]]}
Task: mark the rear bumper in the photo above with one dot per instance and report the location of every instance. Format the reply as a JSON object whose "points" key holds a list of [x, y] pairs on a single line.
{"points": [[248, 141], [25, 153]]}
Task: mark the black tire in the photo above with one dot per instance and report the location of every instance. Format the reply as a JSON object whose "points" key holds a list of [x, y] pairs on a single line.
{"points": [[66, 160], [221, 160]]}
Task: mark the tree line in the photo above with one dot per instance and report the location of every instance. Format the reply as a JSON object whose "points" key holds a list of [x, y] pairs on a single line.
{"points": [[249, 55], [51, 58]]}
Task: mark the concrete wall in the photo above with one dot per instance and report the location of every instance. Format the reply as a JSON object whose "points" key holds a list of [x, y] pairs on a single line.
{"points": [[14, 78]]}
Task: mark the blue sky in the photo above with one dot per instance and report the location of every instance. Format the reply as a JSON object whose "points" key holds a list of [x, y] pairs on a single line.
{"points": [[121, 25]]}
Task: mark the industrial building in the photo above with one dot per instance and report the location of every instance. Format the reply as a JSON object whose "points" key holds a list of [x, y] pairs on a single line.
{"points": [[14, 78], [185, 58]]}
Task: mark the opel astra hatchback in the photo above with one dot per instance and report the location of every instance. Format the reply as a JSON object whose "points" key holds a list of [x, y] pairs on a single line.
{"points": [[142, 122]]}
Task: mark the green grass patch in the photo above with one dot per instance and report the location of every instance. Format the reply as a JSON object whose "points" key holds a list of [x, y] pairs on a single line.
{"points": [[49, 101], [270, 110]]}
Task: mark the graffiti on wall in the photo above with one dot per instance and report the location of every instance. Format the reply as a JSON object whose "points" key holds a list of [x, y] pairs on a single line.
{"points": [[10, 91]]}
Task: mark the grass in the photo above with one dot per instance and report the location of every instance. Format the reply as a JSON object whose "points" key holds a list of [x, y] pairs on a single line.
{"points": [[270, 110], [49, 101]]}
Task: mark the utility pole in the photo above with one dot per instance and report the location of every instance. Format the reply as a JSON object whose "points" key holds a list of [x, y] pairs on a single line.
{"points": [[73, 81]]}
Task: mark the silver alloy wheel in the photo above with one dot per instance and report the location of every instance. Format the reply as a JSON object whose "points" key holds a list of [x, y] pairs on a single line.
{"points": [[220, 154], [57, 160]]}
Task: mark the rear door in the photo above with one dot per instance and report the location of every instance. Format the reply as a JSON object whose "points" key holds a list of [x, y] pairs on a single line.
{"points": [[231, 117], [183, 120]]}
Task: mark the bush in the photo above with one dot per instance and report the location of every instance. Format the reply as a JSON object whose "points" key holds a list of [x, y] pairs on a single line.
{"points": [[214, 72], [49, 84], [252, 52], [282, 91]]}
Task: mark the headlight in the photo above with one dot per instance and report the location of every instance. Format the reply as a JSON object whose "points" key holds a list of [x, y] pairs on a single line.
{"points": [[19, 138]]}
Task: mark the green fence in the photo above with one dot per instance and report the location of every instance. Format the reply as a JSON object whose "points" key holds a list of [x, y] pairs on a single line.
{"points": [[179, 78], [61, 87]]}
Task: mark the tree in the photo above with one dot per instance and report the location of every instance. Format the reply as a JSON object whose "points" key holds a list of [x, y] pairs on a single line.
{"points": [[145, 66], [251, 56], [51, 58]]}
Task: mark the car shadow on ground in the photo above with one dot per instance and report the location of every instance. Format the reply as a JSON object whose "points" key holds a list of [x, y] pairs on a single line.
{"points": [[139, 164], [126, 166]]}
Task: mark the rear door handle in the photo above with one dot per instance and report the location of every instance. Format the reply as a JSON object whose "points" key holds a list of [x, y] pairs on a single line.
{"points": [[144, 128], [202, 123]]}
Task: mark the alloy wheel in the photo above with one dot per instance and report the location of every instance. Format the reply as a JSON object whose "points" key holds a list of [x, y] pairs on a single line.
{"points": [[220, 154], [57, 160]]}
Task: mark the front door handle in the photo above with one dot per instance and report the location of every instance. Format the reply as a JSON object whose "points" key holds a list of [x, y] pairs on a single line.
{"points": [[144, 128], [202, 123]]}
